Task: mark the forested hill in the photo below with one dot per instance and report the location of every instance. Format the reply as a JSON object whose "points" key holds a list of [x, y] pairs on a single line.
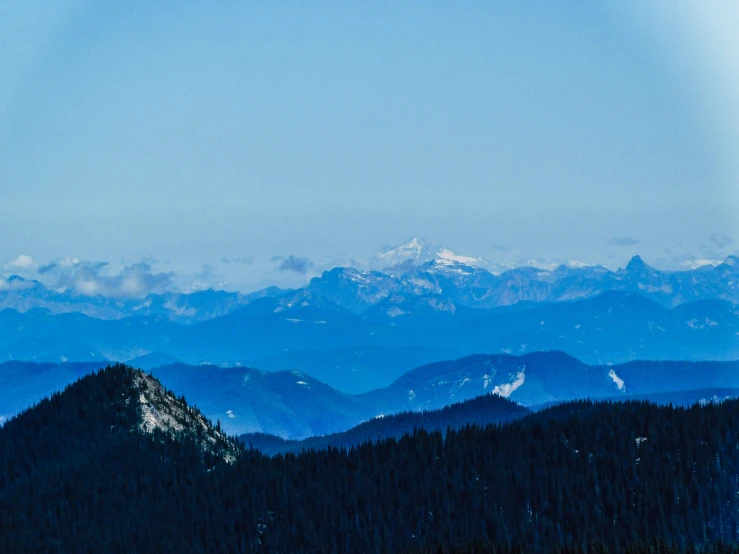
{"points": [[113, 412], [84, 472], [482, 411]]}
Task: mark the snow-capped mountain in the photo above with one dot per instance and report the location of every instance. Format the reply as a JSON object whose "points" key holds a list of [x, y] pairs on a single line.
{"points": [[418, 251], [477, 287]]}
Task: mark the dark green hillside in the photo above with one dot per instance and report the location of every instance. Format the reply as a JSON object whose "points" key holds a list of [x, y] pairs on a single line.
{"points": [[100, 411], [67, 464]]}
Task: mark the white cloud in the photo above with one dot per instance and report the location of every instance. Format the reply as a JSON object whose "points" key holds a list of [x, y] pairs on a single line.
{"points": [[87, 288], [97, 278], [21, 262]]}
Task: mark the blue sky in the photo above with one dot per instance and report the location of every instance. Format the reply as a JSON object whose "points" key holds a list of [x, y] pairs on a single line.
{"points": [[187, 134]]}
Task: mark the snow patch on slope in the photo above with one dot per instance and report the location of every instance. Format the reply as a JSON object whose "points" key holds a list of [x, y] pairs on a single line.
{"points": [[448, 255], [616, 380], [506, 389], [696, 324], [486, 380]]}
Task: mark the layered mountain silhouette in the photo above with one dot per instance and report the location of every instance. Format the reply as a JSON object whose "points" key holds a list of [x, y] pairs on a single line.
{"points": [[294, 405], [416, 268], [356, 353], [485, 410]]}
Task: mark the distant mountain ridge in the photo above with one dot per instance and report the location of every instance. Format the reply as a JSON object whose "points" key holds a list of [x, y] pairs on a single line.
{"points": [[294, 405], [357, 353], [414, 269], [359, 330], [24, 295], [482, 411], [473, 286]]}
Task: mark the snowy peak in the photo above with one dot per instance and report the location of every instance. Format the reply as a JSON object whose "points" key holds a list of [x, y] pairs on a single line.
{"points": [[412, 252], [418, 251]]}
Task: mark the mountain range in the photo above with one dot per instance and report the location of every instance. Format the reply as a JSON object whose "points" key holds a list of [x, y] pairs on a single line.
{"points": [[293, 405], [417, 268], [360, 330], [356, 353], [23, 295]]}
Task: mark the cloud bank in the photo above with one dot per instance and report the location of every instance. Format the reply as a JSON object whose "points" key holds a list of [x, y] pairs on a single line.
{"points": [[97, 279]]}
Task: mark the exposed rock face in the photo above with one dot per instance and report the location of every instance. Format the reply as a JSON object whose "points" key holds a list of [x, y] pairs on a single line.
{"points": [[160, 410]]}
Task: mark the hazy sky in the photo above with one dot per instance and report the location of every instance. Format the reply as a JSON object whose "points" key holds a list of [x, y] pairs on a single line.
{"points": [[185, 134]]}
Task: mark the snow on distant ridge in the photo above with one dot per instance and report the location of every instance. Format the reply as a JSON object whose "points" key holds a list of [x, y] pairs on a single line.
{"points": [[577, 264], [452, 257], [695, 264]]}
